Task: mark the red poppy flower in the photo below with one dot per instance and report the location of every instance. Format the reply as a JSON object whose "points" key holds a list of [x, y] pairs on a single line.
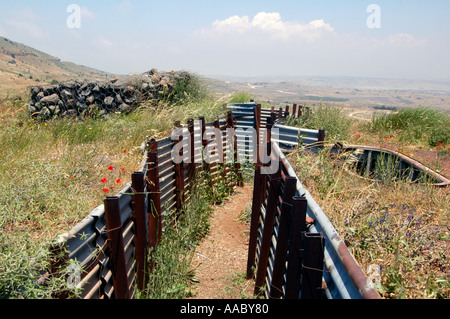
{"points": [[119, 180], [110, 168], [104, 180], [105, 190], [124, 151], [123, 169]]}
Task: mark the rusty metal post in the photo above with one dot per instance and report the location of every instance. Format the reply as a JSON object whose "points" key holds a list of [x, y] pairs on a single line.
{"points": [[231, 123], [220, 148], [206, 166], [192, 150], [273, 116], [154, 204], [299, 111], [267, 230], [140, 228], [294, 110], [115, 239], [179, 174], [321, 138], [280, 113], [254, 221], [295, 258], [313, 266], [257, 124], [279, 262]]}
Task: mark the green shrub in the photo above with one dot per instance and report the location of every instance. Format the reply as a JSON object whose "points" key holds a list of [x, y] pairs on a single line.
{"points": [[332, 119], [415, 125], [240, 97], [187, 88]]}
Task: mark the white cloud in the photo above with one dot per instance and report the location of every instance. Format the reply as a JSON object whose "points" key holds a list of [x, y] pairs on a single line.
{"points": [[124, 6], [270, 24], [398, 40], [86, 13], [102, 42], [27, 28]]}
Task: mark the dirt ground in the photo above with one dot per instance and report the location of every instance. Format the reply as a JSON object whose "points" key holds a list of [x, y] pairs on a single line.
{"points": [[221, 257]]}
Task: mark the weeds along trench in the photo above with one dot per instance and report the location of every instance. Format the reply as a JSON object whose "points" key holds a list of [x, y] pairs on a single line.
{"points": [[54, 173]]}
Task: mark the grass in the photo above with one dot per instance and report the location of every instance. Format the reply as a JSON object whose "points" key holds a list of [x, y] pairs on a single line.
{"points": [[419, 125], [55, 173], [399, 226], [240, 97], [325, 117], [173, 277]]}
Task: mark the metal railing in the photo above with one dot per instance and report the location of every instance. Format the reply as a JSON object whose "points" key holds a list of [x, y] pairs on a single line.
{"points": [[294, 250], [111, 245]]}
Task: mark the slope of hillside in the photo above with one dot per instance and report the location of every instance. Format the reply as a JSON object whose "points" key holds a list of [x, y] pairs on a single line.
{"points": [[22, 66]]}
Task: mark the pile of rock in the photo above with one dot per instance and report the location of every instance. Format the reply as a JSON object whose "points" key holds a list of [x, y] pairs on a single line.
{"points": [[98, 98]]}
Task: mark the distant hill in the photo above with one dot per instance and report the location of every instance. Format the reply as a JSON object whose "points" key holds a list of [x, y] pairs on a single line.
{"points": [[22, 66]]}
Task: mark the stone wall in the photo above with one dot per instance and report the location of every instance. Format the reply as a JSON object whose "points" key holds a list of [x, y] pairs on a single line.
{"points": [[98, 98]]}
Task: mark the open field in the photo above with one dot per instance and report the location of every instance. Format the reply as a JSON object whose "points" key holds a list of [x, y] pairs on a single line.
{"points": [[362, 97]]}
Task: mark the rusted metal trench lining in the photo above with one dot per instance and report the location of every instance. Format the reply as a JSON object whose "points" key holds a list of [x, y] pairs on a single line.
{"points": [[88, 237], [443, 180], [343, 276]]}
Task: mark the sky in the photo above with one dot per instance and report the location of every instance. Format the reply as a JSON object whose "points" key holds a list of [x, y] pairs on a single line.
{"points": [[382, 39]]}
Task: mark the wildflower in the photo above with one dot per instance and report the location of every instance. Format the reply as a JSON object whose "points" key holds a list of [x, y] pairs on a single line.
{"points": [[119, 180], [110, 168], [123, 169], [104, 180], [105, 190], [72, 176], [124, 151]]}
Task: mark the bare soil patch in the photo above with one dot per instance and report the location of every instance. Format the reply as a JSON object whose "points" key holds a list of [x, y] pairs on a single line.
{"points": [[221, 258]]}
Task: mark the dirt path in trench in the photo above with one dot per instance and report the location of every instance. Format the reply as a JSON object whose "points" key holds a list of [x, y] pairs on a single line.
{"points": [[221, 258]]}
